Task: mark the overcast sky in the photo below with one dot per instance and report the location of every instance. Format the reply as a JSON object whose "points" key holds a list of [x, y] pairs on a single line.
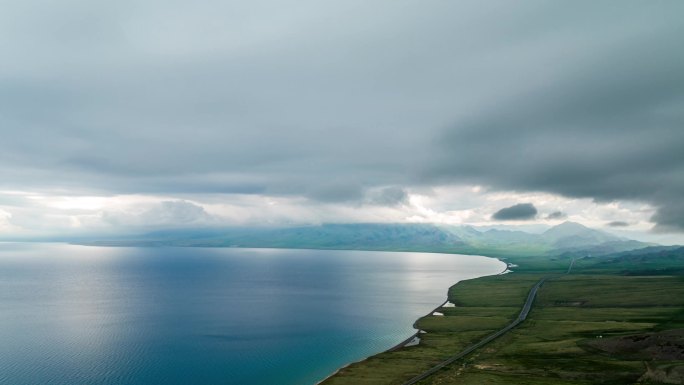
{"points": [[126, 116]]}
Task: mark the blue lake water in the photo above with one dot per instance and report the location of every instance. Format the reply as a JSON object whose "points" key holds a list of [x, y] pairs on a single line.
{"points": [[91, 315]]}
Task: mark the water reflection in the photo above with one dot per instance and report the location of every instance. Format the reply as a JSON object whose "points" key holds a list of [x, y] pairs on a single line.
{"points": [[90, 315]]}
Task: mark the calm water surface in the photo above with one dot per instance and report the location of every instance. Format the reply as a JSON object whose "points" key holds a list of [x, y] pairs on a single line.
{"points": [[89, 315]]}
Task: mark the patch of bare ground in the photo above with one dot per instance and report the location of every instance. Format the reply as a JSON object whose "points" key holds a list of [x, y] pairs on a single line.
{"points": [[663, 374], [662, 346]]}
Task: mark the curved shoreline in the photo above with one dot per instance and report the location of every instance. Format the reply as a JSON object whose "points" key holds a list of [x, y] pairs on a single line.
{"points": [[403, 343]]}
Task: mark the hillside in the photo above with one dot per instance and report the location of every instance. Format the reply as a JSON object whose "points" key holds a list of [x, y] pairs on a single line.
{"points": [[647, 261]]}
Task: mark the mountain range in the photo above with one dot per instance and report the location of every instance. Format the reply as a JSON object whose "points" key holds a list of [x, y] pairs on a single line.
{"points": [[568, 237]]}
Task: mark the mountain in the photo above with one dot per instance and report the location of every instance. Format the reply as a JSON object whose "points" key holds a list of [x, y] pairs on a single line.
{"points": [[571, 237], [370, 236], [567, 237], [506, 237], [571, 234]]}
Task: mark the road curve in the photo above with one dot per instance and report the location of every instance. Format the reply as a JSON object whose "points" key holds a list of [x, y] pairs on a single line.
{"points": [[521, 317]]}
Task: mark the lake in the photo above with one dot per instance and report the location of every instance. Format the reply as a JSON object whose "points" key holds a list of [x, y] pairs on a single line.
{"points": [[96, 315]]}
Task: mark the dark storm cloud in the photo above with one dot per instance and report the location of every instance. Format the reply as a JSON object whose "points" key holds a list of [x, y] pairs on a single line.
{"points": [[334, 100], [212, 97], [669, 217], [342, 191], [388, 196], [602, 120], [618, 224], [519, 212], [557, 215]]}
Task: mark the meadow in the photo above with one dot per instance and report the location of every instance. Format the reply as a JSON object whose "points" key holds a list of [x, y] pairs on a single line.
{"points": [[599, 324]]}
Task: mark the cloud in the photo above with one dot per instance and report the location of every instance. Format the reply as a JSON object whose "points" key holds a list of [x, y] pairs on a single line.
{"points": [[6, 225], [618, 224], [556, 215], [388, 196], [519, 212], [601, 120], [331, 103], [336, 192], [668, 218], [177, 213], [31, 215]]}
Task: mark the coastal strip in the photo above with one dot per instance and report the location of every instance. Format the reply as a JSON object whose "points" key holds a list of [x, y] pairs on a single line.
{"points": [[521, 317], [406, 341], [403, 343], [393, 348]]}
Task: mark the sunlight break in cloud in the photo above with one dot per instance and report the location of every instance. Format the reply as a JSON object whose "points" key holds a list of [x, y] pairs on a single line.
{"points": [[448, 205]]}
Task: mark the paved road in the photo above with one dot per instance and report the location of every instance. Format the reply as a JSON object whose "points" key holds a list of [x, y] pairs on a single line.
{"points": [[521, 317]]}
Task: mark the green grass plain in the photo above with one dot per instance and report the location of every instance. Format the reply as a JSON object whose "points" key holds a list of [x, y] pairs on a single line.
{"points": [[553, 345], [484, 306], [561, 342]]}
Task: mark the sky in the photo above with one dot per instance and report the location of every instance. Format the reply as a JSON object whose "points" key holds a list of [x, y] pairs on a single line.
{"points": [[128, 116]]}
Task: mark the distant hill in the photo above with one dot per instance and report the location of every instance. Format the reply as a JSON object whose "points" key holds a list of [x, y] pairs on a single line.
{"points": [[360, 236], [571, 234], [565, 238], [568, 237], [574, 237], [659, 260]]}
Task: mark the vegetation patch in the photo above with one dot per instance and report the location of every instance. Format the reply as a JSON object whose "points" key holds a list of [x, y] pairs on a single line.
{"points": [[601, 324]]}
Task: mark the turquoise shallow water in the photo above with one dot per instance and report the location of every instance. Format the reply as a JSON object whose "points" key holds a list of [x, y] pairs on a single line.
{"points": [[90, 315]]}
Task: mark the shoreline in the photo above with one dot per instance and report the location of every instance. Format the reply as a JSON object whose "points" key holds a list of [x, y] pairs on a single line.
{"points": [[403, 343]]}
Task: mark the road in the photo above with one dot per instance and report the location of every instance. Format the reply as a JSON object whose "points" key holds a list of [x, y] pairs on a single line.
{"points": [[521, 317]]}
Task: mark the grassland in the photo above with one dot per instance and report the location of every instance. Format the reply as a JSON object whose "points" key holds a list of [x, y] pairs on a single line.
{"points": [[476, 316], [565, 339], [598, 325]]}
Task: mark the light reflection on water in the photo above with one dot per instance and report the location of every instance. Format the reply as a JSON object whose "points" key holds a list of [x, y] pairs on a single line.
{"points": [[91, 315]]}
